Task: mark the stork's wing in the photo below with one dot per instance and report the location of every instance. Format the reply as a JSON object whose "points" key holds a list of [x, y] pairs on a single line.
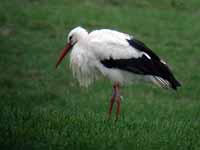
{"points": [[129, 54], [108, 43], [143, 66]]}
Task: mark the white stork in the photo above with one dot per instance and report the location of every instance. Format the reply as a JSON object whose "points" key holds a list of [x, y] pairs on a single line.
{"points": [[118, 56]]}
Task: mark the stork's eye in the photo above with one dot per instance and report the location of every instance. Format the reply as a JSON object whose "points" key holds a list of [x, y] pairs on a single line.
{"points": [[70, 38]]}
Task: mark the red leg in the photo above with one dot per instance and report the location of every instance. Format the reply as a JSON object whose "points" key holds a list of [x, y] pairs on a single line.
{"points": [[118, 100], [112, 100]]}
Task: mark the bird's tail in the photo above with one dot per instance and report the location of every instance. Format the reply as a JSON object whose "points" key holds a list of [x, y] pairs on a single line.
{"points": [[173, 83]]}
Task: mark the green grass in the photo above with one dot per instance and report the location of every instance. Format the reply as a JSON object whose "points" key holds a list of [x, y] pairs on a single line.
{"points": [[44, 108]]}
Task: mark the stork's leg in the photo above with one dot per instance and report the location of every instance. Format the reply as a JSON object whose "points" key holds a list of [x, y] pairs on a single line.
{"points": [[118, 100], [112, 100]]}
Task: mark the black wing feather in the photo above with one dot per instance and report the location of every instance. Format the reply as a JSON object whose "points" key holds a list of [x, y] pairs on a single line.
{"points": [[142, 47], [143, 65]]}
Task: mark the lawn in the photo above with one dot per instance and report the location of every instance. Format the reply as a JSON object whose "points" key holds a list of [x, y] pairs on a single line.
{"points": [[44, 108]]}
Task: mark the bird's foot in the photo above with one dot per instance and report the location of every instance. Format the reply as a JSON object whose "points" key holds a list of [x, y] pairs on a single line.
{"points": [[118, 101], [112, 100]]}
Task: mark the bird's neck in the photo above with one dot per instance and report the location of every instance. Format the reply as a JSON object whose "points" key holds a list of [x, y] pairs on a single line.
{"points": [[83, 36]]}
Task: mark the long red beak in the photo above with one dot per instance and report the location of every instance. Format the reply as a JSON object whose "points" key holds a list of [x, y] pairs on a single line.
{"points": [[63, 53]]}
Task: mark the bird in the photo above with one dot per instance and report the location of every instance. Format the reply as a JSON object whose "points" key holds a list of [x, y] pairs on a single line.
{"points": [[120, 57]]}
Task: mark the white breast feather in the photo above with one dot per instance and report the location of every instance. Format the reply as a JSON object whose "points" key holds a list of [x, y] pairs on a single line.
{"points": [[81, 63]]}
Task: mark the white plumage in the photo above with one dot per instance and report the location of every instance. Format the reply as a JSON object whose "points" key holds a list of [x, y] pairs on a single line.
{"points": [[116, 55], [98, 45]]}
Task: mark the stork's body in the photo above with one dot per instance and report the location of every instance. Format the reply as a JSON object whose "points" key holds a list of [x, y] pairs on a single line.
{"points": [[118, 56]]}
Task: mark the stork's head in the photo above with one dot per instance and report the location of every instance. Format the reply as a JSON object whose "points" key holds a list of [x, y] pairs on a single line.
{"points": [[74, 36]]}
